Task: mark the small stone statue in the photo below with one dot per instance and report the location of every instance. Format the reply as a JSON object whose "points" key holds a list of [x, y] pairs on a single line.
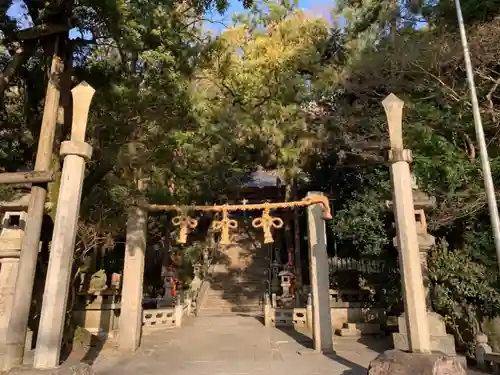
{"points": [[98, 282]]}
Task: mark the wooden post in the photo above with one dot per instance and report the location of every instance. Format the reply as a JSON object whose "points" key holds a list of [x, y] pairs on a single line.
{"points": [[406, 230], [75, 153], [133, 275], [13, 352], [318, 261]]}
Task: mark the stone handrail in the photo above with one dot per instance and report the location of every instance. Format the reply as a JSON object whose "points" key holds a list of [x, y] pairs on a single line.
{"points": [[200, 293]]}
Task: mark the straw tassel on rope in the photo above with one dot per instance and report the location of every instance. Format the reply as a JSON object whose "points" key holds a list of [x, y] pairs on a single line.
{"points": [[185, 224], [224, 225], [267, 222]]}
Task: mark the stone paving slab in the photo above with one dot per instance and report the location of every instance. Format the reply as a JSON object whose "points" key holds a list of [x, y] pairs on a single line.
{"points": [[237, 345], [231, 345]]}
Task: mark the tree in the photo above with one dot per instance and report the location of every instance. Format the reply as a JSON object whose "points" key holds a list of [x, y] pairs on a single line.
{"points": [[424, 67]]}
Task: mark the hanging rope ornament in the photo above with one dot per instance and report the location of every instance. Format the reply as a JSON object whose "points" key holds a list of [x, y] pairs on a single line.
{"points": [[267, 222], [224, 225], [185, 224], [308, 201]]}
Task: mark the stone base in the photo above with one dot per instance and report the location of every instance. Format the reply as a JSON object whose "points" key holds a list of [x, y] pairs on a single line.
{"points": [[358, 329], [78, 369], [396, 362], [443, 344], [346, 332], [440, 340]]}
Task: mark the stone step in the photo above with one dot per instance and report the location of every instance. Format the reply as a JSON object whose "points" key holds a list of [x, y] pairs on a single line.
{"points": [[236, 288], [239, 279], [230, 313], [225, 273], [231, 298], [235, 299], [242, 276], [234, 309], [249, 274], [228, 304]]}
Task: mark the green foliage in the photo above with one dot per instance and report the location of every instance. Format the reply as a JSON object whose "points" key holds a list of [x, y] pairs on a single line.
{"points": [[284, 91], [424, 68], [360, 223], [465, 291]]}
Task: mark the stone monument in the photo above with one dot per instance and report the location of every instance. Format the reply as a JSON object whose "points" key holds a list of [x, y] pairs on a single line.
{"points": [[440, 340]]}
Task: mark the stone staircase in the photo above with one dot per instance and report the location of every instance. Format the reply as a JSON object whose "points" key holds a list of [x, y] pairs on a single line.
{"points": [[238, 279]]}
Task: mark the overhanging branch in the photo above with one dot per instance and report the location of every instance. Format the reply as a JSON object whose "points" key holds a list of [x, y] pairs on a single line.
{"points": [[42, 30], [95, 176], [11, 68]]}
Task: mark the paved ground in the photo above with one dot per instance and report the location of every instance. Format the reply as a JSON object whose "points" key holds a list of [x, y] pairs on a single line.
{"points": [[235, 345]]}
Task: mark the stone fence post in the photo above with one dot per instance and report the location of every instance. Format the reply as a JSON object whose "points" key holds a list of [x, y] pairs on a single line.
{"points": [[482, 349]]}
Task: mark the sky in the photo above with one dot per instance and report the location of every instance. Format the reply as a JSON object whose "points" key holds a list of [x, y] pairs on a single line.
{"points": [[316, 7]]}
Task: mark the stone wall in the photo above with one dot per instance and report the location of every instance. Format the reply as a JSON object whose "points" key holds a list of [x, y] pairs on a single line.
{"points": [[341, 316]]}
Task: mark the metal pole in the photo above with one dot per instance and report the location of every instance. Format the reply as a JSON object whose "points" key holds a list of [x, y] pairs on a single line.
{"points": [[485, 161]]}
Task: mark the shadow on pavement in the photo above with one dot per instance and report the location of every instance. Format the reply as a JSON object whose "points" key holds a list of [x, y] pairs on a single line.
{"points": [[306, 342]]}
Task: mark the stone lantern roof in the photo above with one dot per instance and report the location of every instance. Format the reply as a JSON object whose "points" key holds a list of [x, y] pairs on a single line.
{"points": [[421, 201]]}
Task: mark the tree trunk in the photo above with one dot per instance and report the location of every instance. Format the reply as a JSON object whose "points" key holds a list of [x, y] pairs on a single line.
{"points": [[64, 120]]}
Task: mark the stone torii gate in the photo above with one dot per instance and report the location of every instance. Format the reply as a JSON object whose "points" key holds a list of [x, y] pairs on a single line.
{"points": [[318, 210], [76, 151]]}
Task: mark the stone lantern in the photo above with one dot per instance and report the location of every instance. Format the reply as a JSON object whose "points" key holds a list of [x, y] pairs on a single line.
{"points": [[197, 270], [286, 283], [206, 255], [11, 238], [440, 340], [275, 281]]}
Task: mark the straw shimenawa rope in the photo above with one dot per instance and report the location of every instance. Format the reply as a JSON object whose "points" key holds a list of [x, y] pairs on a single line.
{"points": [[308, 201], [266, 221]]}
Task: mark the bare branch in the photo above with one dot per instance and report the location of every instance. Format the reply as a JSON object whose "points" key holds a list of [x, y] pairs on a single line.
{"points": [[10, 69], [452, 92], [490, 101]]}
